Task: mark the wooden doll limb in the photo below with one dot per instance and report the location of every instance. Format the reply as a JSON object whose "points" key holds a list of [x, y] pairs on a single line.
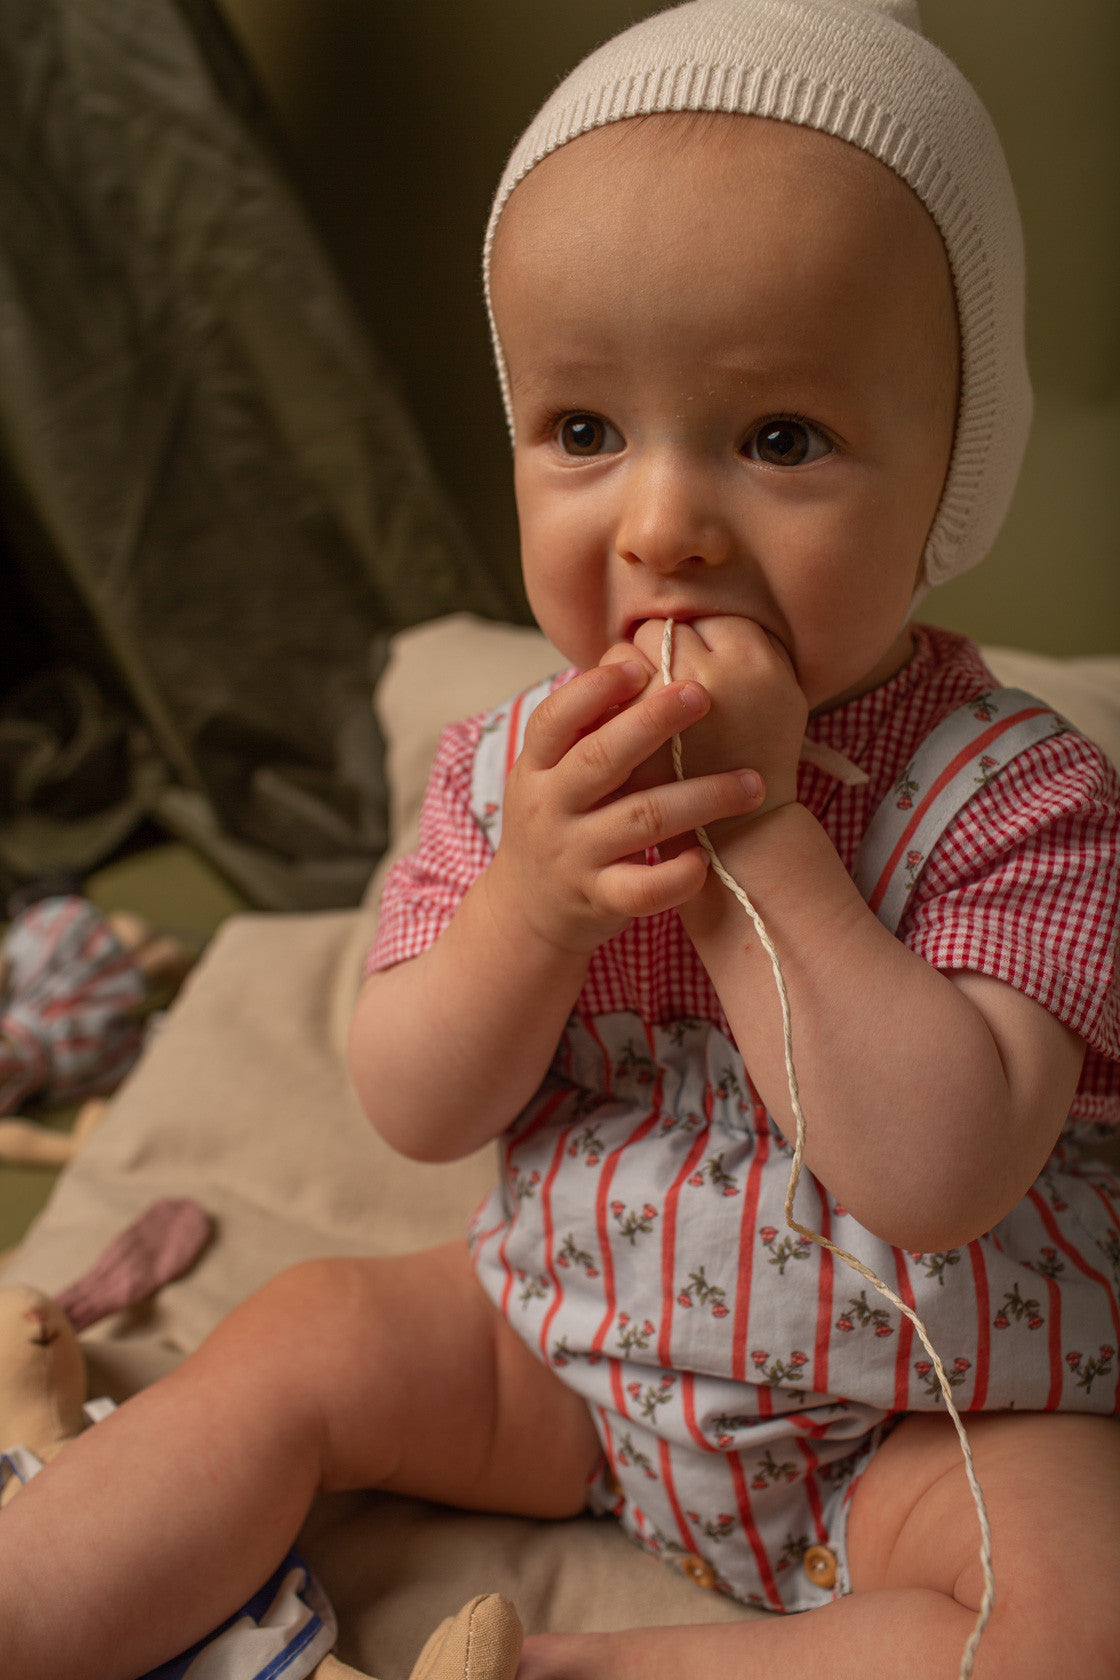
{"points": [[483, 1642], [27, 1143], [331, 1669]]}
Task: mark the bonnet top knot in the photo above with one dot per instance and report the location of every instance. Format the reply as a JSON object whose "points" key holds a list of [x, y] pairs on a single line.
{"points": [[862, 71]]}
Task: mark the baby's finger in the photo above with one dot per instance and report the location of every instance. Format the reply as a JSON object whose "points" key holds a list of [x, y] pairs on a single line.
{"points": [[657, 815], [639, 889], [577, 707], [603, 760], [625, 652]]}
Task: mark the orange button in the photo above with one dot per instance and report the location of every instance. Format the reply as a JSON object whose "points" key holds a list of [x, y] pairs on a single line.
{"points": [[698, 1570], [819, 1563]]}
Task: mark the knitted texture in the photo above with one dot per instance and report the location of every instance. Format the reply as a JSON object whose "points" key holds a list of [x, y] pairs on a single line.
{"points": [[863, 72]]}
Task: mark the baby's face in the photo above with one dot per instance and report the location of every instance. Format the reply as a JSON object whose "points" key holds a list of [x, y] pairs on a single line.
{"points": [[732, 349]]}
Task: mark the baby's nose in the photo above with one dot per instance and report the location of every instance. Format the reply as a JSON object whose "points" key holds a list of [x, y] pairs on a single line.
{"points": [[672, 518]]}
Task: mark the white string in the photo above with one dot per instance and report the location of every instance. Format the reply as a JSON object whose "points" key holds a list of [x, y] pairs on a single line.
{"points": [[988, 1597]]}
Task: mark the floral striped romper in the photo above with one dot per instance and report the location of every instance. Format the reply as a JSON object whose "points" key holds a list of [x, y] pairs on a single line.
{"points": [[740, 1378]]}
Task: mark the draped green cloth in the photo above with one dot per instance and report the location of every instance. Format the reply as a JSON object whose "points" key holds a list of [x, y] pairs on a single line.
{"points": [[213, 508]]}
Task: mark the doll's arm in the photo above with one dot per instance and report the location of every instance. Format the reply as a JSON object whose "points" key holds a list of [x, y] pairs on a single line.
{"points": [[931, 1100], [446, 1048]]}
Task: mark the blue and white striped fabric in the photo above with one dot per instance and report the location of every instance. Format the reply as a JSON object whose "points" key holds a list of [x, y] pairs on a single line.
{"points": [[282, 1633]]}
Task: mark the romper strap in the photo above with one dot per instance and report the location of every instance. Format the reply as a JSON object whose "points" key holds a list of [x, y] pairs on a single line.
{"points": [[503, 735], [966, 751]]}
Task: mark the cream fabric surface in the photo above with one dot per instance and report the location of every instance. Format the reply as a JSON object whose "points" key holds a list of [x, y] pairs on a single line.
{"points": [[242, 1101]]}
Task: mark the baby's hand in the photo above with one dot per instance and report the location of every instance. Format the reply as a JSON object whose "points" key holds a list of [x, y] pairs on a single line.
{"points": [[758, 712], [571, 867]]}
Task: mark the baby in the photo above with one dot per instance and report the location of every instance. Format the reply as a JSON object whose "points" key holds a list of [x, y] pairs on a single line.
{"points": [[756, 289]]}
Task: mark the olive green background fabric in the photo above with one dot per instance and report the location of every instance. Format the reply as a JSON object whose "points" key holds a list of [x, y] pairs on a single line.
{"points": [[399, 119], [214, 508]]}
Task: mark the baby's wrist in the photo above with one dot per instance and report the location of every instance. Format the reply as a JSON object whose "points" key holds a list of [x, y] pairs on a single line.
{"points": [[534, 937]]}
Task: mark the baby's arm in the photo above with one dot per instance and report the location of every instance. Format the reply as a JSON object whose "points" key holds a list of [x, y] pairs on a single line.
{"points": [[446, 1049], [931, 1100]]}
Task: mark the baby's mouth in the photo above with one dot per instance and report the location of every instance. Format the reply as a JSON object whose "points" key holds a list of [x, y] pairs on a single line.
{"points": [[635, 624]]}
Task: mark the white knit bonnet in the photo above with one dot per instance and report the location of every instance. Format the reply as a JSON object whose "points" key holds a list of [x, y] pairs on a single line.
{"points": [[860, 70]]}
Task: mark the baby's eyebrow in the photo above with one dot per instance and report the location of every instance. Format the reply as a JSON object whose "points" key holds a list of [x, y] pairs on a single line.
{"points": [[542, 379]]}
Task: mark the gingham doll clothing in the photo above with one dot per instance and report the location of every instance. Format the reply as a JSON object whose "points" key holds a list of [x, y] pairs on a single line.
{"points": [[740, 1377]]}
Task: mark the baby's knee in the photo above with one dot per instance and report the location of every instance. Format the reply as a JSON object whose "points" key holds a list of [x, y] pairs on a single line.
{"points": [[288, 1324], [1055, 1499]]}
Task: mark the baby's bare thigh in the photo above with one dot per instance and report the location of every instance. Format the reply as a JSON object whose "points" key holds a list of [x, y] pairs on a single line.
{"points": [[424, 1389], [1051, 1483]]}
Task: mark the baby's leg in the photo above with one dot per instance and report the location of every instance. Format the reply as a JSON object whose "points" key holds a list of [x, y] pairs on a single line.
{"points": [[1052, 1485], [156, 1524]]}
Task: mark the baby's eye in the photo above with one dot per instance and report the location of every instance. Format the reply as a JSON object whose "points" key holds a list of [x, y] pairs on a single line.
{"points": [[587, 434], [787, 443]]}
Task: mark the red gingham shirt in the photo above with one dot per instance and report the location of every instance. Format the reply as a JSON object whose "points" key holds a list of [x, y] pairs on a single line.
{"points": [[1024, 884]]}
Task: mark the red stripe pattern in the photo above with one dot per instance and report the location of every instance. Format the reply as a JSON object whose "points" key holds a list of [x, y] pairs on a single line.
{"points": [[637, 1239]]}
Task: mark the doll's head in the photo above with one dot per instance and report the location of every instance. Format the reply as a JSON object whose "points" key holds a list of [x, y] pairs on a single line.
{"points": [[852, 77]]}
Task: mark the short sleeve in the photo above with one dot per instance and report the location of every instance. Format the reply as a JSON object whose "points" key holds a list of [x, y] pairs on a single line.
{"points": [[1024, 885], [423, 891]]}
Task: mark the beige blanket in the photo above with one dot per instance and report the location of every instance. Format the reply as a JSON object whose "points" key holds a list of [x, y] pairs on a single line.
{"points": [[242, 1101]]}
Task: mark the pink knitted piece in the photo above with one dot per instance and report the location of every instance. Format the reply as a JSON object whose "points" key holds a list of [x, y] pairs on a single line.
{"points": [[155, 1249]]}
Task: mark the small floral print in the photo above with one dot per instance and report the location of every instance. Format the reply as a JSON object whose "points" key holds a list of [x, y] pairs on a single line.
{"points": [[861, 1312], [630, 1335], [983, 708], [572, 1255], [767, 1470], [725, 1424], [589, 1144], [955, 1375], [715, 1170], [914, 861], [649, 1397], [716, 1528], [934, 1265], [905, 788], [533, 1288], [1088, 1370], [637, 1064], [1050, 1264], [628, 1453], [1016, 1306], [780, 1371], [681, 1123], [562, 1353], [699, 1290], [781, 1253], [729, 1086], [524, 1185], [989, 767], [677, 1031], [632, 1223]]}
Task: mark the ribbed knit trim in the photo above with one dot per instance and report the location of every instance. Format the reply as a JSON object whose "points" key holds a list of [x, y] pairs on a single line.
{"points": [[852, 70]]}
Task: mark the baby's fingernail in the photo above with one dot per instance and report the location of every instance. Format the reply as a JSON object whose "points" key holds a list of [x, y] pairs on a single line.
{"points": [[752, 783], [692, 698]]}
